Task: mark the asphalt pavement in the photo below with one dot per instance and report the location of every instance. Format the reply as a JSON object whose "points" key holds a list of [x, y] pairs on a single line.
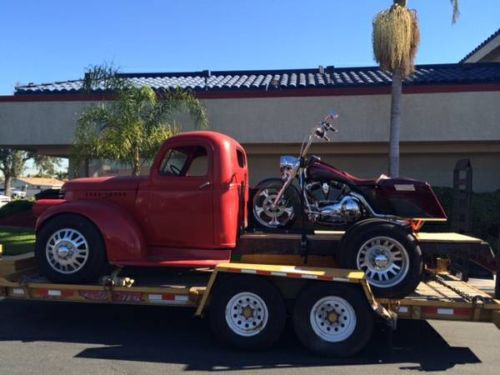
{"points": [[70, 338]]}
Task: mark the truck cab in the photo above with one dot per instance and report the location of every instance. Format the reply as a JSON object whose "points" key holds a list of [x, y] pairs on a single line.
{"points": [[187, 213]]}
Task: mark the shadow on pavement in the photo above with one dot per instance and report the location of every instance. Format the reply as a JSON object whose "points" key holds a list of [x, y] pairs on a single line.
{"points": [[172, 335]]}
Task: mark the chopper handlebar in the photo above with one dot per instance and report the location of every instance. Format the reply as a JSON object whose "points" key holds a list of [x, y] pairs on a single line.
{"points": [[325, 126]]}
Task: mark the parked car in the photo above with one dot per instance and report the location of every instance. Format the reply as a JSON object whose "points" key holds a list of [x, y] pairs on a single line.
{"points": [[4, 200], [17, 194]]}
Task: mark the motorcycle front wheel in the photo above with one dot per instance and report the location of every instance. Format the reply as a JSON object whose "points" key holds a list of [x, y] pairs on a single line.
{"points": [[281, 215]]}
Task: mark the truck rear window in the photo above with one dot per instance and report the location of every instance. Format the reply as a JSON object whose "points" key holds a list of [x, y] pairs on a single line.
{"points": [[241, 158]]}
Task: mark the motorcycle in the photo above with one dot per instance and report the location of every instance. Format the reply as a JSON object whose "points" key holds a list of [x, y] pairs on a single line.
{"points": [[390, 211]]}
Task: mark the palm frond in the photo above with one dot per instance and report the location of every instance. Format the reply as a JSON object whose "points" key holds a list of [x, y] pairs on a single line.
{"points": [[395, 39]]}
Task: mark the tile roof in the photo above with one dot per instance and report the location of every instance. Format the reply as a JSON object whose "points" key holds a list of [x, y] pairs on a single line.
{"points": [[267, 80], [41, 181], [489, 39]]}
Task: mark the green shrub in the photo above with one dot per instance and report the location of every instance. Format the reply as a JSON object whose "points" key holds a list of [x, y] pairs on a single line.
{"points": [[15, 206]]}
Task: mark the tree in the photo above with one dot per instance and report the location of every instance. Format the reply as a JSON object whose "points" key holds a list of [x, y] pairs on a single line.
{"points": [[131, 128], [396, 37], [47, 166], [12, 165]]}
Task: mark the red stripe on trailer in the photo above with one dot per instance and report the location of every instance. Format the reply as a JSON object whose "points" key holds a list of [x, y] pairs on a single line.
{"points": [[94, 295], [294, 275], [444, 311], [264, 273], [325, 278], [168, 297], [131, 297]]}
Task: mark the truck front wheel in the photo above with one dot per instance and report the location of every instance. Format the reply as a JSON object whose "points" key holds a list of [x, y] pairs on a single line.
{"points": [[247, 312], [70, 249]]}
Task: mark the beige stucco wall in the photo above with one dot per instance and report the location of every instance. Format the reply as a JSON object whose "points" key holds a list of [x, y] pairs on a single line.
{"points": [[426, 117], [439, 127], [437, 169]]}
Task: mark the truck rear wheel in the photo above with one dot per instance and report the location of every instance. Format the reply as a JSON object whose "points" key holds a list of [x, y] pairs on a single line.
{"points": [[333, 320], [70, 249], [247, 312]]}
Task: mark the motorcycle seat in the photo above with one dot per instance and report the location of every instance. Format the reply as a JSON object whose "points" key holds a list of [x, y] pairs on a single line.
{"points": [[365, 181]]}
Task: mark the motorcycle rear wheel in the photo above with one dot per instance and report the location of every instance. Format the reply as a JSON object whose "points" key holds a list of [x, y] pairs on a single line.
{"points": [[284, 214]]}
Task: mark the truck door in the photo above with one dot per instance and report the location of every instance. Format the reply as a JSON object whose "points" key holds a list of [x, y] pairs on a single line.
{"points": [[180, 199]]}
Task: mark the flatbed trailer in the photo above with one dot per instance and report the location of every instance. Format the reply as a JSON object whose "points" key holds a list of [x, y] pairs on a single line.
{"points": [[245, 288]]}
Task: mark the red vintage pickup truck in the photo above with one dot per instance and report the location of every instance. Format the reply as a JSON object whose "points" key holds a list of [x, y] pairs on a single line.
{"points": [[191, 211], [186, 213]]}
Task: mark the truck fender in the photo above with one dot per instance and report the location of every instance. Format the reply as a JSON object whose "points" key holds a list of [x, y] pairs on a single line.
{"points": [[122, 236]]}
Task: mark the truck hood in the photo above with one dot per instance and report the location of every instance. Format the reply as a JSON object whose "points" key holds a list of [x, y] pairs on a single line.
{"points": [[121, 183]]}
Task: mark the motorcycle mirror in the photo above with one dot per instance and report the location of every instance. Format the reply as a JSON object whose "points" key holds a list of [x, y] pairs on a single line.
{"points": [[332, 116]]}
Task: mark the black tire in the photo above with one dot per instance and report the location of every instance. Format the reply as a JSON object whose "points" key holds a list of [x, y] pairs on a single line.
{"points": [[362, 242], [346, 333], [89, 268], [227, 293], [289, 200]]}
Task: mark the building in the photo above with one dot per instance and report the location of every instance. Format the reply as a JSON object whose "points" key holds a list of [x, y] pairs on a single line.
{"points": [[450, 112], [29, 186]]}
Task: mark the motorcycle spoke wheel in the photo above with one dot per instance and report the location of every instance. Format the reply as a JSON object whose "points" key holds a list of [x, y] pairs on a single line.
{"points": [[271, 216]]}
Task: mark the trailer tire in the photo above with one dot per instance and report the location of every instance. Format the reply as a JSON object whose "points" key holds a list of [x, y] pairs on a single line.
{"points": [[333, 320], [247, 312], [400, 257], [70, 249]]}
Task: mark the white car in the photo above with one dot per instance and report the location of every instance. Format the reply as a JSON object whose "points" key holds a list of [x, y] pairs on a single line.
{"points": [[16, 193], [4, 200]]}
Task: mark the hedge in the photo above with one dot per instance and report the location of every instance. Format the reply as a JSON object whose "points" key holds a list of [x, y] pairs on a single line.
{"points": [[485, 221], [15, 206]]}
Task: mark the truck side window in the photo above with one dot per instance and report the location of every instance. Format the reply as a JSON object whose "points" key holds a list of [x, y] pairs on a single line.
{"points": [[185, 161], [241, 158]]}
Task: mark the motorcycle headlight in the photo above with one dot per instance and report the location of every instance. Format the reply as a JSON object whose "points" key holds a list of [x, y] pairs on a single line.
{"points": [[287, 163]]}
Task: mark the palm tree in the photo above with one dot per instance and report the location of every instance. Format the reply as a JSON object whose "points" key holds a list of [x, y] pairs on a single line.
{"points": [[396, 37], [132, 127]]}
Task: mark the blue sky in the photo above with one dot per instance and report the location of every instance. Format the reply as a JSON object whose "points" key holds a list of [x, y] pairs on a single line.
{"points": [[55, 40]]}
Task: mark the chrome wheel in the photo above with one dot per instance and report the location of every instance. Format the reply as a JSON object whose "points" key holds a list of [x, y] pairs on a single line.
{"points": [[384, 261], [67, 251], [269, 215], [246, 314], [333, 319]]}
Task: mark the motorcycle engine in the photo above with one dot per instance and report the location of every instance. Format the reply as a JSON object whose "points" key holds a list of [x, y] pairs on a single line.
{"points": [[331, 203]]}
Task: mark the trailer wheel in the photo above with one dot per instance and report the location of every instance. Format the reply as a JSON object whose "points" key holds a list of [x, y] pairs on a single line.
{"points": [[70, 249], [333, 320], [247, 312], [389, 256]]}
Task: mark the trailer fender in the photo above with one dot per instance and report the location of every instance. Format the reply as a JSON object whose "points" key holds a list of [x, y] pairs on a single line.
{"points": [[285, 272], [122, 235]]}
